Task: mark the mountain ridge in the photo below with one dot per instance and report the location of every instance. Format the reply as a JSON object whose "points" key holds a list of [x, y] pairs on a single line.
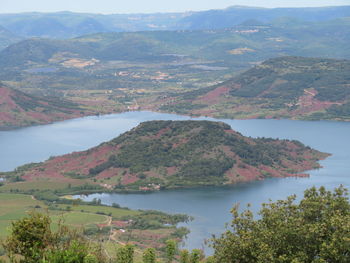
{"points": [[23, 24]]}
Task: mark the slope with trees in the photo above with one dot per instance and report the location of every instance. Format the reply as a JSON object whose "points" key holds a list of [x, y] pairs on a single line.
{"points": [[18, 109], [285, 87], [171, 154], [314, 229]]}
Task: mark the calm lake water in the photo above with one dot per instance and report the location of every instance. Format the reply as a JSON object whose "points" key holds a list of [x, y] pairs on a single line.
{"points": [[210, 206]]}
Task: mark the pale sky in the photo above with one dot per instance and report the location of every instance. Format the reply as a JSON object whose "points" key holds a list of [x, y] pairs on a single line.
{"points": [[149, 6]]}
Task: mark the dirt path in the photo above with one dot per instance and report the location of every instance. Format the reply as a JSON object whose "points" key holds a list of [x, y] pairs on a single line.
{"points": [[309, 92]]}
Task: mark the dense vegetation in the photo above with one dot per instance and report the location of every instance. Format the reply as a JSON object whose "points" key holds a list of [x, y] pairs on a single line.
{"points": [[20, 109], [260, 43], [285, 87], [33, 240], [327, 76], [169, 70], [99, 225], [169, 154], [316, 229]]}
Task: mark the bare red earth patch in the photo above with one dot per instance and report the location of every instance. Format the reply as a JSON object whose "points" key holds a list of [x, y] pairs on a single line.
{"points": [[214, 95]]}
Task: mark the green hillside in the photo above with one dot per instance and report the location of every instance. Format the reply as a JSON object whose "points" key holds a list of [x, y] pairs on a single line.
{"points": [[172, 154], [241, 44], [286, 87], [18, 109]]}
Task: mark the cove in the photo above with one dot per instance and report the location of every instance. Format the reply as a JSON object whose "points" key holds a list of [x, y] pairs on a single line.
{"points": [[209, 206]]}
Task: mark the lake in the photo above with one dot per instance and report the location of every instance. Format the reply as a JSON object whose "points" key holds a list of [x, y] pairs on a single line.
{"points": [[209, 206]]}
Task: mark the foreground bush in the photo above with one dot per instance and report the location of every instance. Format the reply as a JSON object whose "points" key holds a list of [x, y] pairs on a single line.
{"points": [[32, 241], [315, 230]]}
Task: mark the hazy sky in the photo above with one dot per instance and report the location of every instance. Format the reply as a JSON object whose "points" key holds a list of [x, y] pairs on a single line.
{"points": [[148, 6]]}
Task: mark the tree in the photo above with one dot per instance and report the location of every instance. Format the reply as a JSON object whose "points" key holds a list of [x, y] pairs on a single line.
{"points": [[184, 256], [315, 230], [76, 253], [170, 250], [210, 259], [29, 237], [32, 241], [90, 259], [149, 255], [196, 256], [125, 254]]}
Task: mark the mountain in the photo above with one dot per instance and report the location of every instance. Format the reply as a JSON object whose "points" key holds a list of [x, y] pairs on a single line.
{"points": [[18, 109], [41, 27], [216, 19], [69, 24], [7, 38], [240, 46], [285, 87], [89, 26], [171, 154]]}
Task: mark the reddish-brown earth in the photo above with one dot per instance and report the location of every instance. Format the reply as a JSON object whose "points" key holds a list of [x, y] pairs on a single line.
{"points": [[18, 109], [293, 158]]}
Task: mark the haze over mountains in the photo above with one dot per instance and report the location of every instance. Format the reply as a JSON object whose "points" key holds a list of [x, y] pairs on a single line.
{"points": [[235, 63], [68, 24], [174, 60], [239, 44]]}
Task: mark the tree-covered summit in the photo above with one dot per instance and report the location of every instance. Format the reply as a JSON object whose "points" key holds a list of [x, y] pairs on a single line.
{"points": [[170, 154]]}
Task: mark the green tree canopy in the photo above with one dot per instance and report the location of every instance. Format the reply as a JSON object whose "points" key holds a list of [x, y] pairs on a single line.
{"points": [[171, 248], [149, 255], [315, 230], [125, 254], [32, 241]]}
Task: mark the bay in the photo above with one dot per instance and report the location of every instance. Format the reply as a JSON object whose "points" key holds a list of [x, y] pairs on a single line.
{"points": [[209, 206]]}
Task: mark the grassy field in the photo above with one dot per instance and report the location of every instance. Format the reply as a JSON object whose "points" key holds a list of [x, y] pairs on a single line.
{"points": [[79, 219], [16, 206], [38, 184], [114, 212], [89, 217]]}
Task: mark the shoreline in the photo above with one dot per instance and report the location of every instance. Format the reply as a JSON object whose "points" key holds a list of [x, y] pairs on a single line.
{"points": [[13, 128]]}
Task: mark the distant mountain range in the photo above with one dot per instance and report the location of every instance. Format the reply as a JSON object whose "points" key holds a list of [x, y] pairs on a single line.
{"points": [[67, 24], [286, 87], [239, 46], [174, 154], [231, 40]]}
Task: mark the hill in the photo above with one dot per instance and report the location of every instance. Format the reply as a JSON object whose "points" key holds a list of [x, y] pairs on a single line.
{"points": [[171, 68], [69, 24], [286, 87], [171, 154], [7, 38], [235, 15], [18, 109], [239, 46]]}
